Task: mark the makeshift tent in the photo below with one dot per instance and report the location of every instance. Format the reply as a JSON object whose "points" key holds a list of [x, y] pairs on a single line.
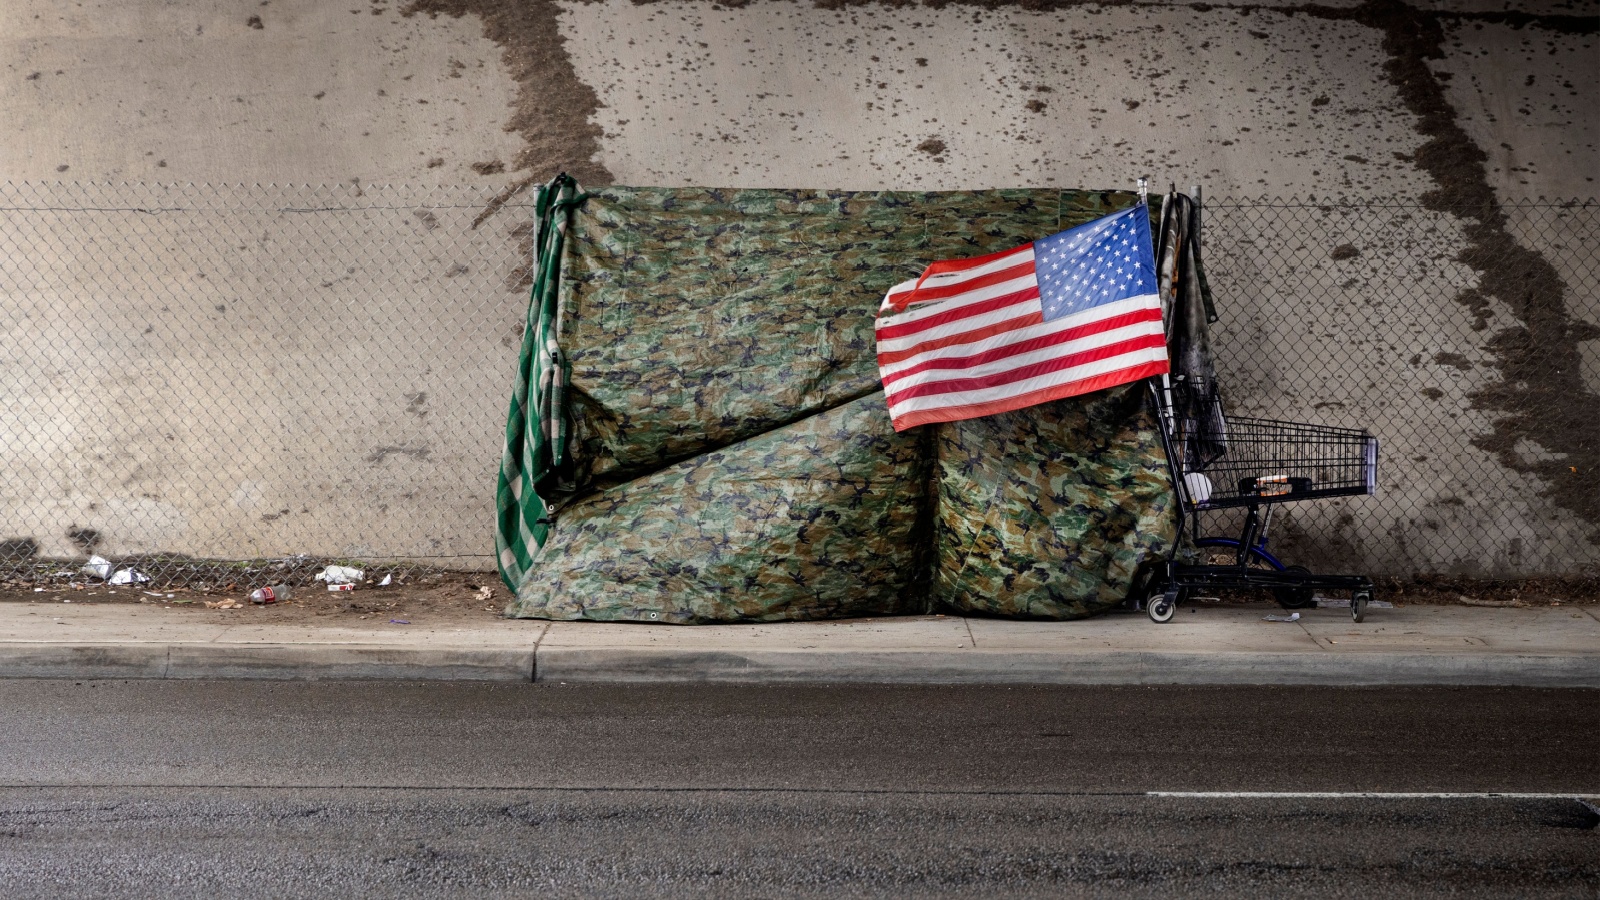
{"points": [[698, 434]]}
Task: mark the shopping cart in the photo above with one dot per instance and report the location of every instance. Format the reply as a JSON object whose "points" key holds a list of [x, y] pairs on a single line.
{"points": [[1221, 462]]}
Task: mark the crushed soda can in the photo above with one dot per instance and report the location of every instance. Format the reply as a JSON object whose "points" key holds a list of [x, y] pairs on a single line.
{"points": [[341, 587]]}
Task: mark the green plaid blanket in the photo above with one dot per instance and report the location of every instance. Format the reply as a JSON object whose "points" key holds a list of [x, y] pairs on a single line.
{"points": [[536, 426]]}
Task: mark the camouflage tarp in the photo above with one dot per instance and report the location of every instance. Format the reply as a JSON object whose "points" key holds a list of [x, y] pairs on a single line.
{"points": [[728, 455], [1051, 511]]}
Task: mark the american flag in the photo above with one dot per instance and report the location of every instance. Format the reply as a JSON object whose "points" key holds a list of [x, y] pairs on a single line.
{"points": [[1064, 315]]}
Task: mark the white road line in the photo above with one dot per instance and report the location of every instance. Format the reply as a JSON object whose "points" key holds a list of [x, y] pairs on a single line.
{"points": [[1372, 795]]}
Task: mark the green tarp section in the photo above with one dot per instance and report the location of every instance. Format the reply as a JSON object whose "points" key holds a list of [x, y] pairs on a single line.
{"points": [[698, 433]]}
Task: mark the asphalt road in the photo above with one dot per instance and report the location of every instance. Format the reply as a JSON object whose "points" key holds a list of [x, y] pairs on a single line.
{"points": [[348, 789]]}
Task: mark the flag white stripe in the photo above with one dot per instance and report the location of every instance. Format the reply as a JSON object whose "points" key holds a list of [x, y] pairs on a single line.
{"points": [[1021, 255], [1076, 320], [1039, 382], [920, 311], [1017, 361], [962, 326]]}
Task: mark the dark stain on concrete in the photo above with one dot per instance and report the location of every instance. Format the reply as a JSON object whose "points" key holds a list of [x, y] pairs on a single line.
{"points": [[382, 454], [520, 278], [17, 549], [553, 108], [1477, 304], [1540, 395], [86, 538]]}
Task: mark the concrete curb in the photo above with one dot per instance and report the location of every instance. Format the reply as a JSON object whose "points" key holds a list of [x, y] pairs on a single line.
{"points": [[33, 660], [300, 662], [1415, 646], [304, 662], [1074, 667]]}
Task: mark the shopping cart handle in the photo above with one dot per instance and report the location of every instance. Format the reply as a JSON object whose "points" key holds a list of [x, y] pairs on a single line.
{"points": [[1273, 485]]}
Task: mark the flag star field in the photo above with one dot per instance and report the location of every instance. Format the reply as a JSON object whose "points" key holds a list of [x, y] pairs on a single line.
{"points": [[1094, 263]]}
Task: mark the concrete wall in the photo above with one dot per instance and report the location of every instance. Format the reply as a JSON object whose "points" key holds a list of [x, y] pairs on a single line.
{"points": [[234, 380], [1344, 100]]}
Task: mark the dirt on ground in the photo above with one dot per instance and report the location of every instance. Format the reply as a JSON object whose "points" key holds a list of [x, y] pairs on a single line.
{"points": [[1437, 590], [443, 598], [1441, 589], [433, 599]]}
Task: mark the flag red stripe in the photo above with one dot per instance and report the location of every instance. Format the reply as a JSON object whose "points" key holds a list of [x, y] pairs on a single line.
{"points": [[890, 332], [1007, 404], [965, 337], [941, 292], [1026, 346], [945, 266], [958, 385]]}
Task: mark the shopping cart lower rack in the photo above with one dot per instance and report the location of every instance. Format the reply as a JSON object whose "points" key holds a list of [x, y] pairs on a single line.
{"points": [[1220, 462]]}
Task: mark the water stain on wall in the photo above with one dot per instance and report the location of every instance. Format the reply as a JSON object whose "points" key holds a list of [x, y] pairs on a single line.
{"points": [[1540, 396], [553, 108]]}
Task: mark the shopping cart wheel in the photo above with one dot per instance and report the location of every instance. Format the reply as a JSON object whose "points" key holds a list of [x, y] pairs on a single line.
{"points": [[1358, 604], [1162, 606], [1295, 597]]}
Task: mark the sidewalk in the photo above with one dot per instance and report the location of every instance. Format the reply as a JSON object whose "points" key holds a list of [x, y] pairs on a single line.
{"points": [[1541, 646]]}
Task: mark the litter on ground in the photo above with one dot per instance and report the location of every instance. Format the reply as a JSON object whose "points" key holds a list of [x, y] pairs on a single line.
{"points": [[340, 575]]}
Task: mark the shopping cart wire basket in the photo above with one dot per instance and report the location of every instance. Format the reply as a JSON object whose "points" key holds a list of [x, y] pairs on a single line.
{"points": [[1220, 462]]}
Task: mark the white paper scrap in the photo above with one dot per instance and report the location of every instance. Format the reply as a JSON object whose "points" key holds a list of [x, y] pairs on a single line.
{"points": [[98, 566], [340, 575], [128, 576]]}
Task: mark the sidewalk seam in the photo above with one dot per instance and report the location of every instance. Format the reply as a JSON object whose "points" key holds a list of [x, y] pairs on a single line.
{"points": [[533, 665], [970, 636], [1314, 642]]}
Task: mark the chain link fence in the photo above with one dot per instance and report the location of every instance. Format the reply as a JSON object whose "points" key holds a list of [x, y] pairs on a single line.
{"points": [[229, 384], [219, 386], [1466, 340]]}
